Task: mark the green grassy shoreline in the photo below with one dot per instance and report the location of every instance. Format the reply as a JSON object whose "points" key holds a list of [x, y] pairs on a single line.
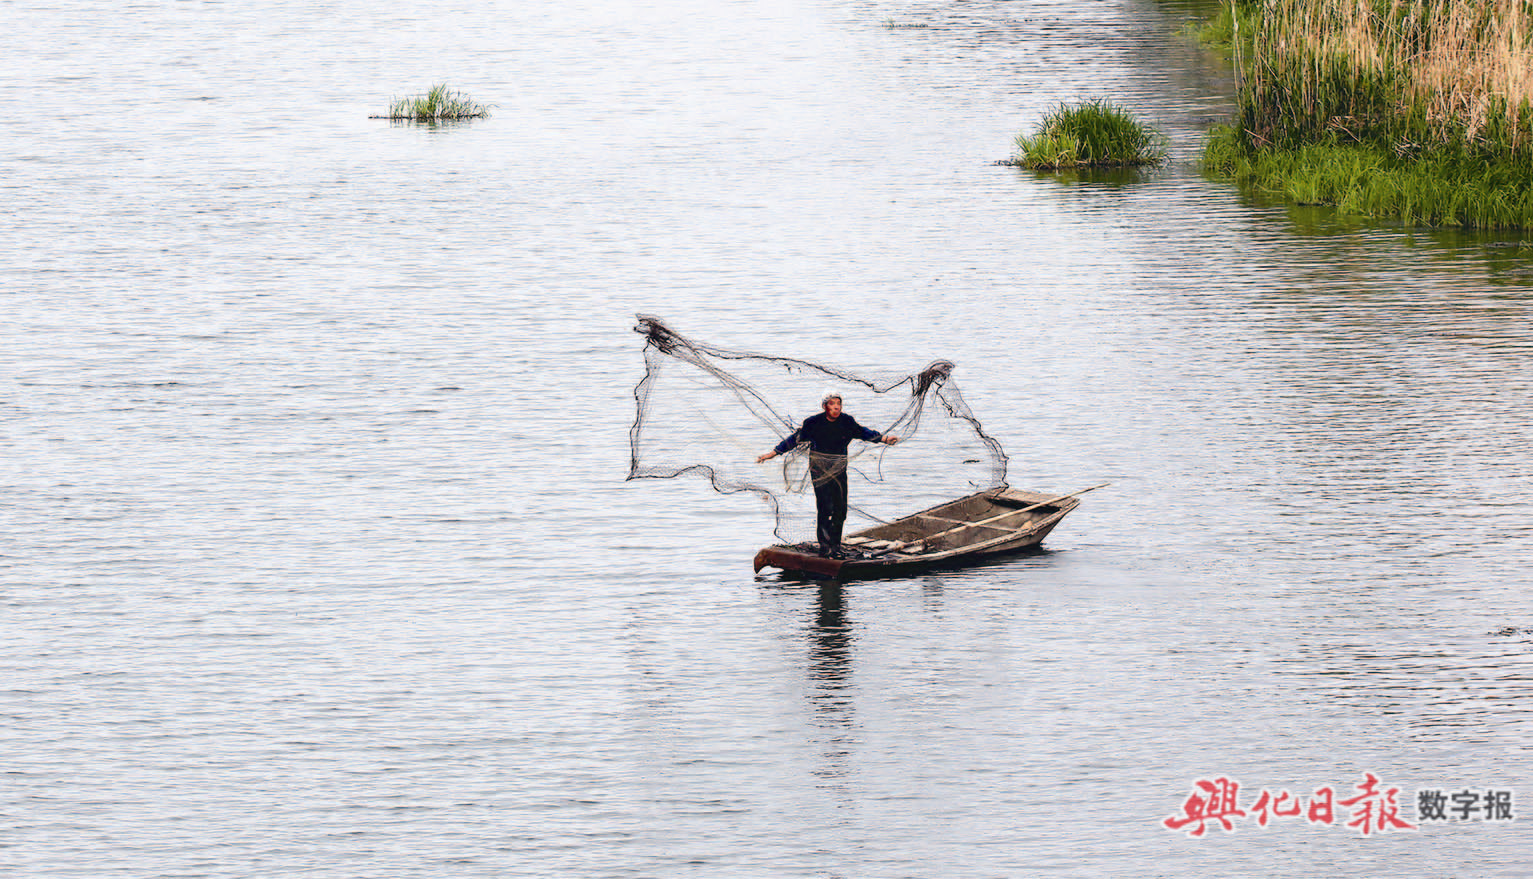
{"points": [[1363, 179], [1418, 113]]}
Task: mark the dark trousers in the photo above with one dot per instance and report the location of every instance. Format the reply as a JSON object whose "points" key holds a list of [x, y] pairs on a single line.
{"points": [[829, 505]]}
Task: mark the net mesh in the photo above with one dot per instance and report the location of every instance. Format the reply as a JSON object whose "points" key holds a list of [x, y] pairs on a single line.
{"points": [[711, 412]]}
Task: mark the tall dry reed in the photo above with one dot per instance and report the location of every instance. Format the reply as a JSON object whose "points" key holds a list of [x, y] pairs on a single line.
{"points": [[1410, 74]]}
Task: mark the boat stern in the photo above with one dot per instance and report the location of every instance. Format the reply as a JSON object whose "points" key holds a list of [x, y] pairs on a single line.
{"points": [[788, 558]]}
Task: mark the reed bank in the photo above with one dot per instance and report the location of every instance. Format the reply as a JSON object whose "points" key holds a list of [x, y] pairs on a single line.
{"points": [[1413, 110]]}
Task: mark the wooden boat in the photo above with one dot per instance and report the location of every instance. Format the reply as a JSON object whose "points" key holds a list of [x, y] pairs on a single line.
{"points": [[983, 525]]}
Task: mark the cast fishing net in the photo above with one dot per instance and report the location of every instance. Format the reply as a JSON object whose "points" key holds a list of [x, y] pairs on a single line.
{"points": [[712, 411]]}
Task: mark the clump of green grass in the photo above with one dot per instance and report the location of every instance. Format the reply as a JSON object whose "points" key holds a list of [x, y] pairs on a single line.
{"points": [[440, 104], [1094, 134], [1441, 187], [1229, 31]]}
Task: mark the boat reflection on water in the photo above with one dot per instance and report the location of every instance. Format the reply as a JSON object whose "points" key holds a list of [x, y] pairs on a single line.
{"points": [[830, 689], [830, 656]]}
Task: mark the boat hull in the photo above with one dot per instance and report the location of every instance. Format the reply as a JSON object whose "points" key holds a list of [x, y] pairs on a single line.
{"points": [[971, 529]]}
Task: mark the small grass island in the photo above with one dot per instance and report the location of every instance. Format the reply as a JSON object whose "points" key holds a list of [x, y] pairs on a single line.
{"points": [[1093, 134], [438, 104]]}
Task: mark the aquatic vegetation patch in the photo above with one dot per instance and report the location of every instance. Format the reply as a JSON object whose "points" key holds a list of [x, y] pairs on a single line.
{"points": [[1443, 187], [1221, 32], [1094, 134], [438, 104], [1427, 73], [1420, 111]]}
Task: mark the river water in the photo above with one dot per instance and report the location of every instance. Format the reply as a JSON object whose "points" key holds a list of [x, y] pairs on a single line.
{"points": [[317, 557]]}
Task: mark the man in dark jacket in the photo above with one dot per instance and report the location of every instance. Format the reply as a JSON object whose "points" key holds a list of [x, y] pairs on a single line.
{"points": [[828, 435]]}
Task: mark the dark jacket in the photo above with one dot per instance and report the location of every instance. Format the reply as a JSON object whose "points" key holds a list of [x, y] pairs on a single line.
{"points": [[828, 437]]}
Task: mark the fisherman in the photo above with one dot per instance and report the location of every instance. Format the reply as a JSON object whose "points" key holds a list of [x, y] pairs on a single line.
{"points": [[828, 434]]}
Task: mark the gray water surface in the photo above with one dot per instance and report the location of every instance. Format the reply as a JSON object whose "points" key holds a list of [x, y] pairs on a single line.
{"points": [[317, 558]]}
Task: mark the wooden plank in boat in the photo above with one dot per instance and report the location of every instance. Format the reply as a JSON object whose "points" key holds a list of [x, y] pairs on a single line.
{"points": [[959, 522]]}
